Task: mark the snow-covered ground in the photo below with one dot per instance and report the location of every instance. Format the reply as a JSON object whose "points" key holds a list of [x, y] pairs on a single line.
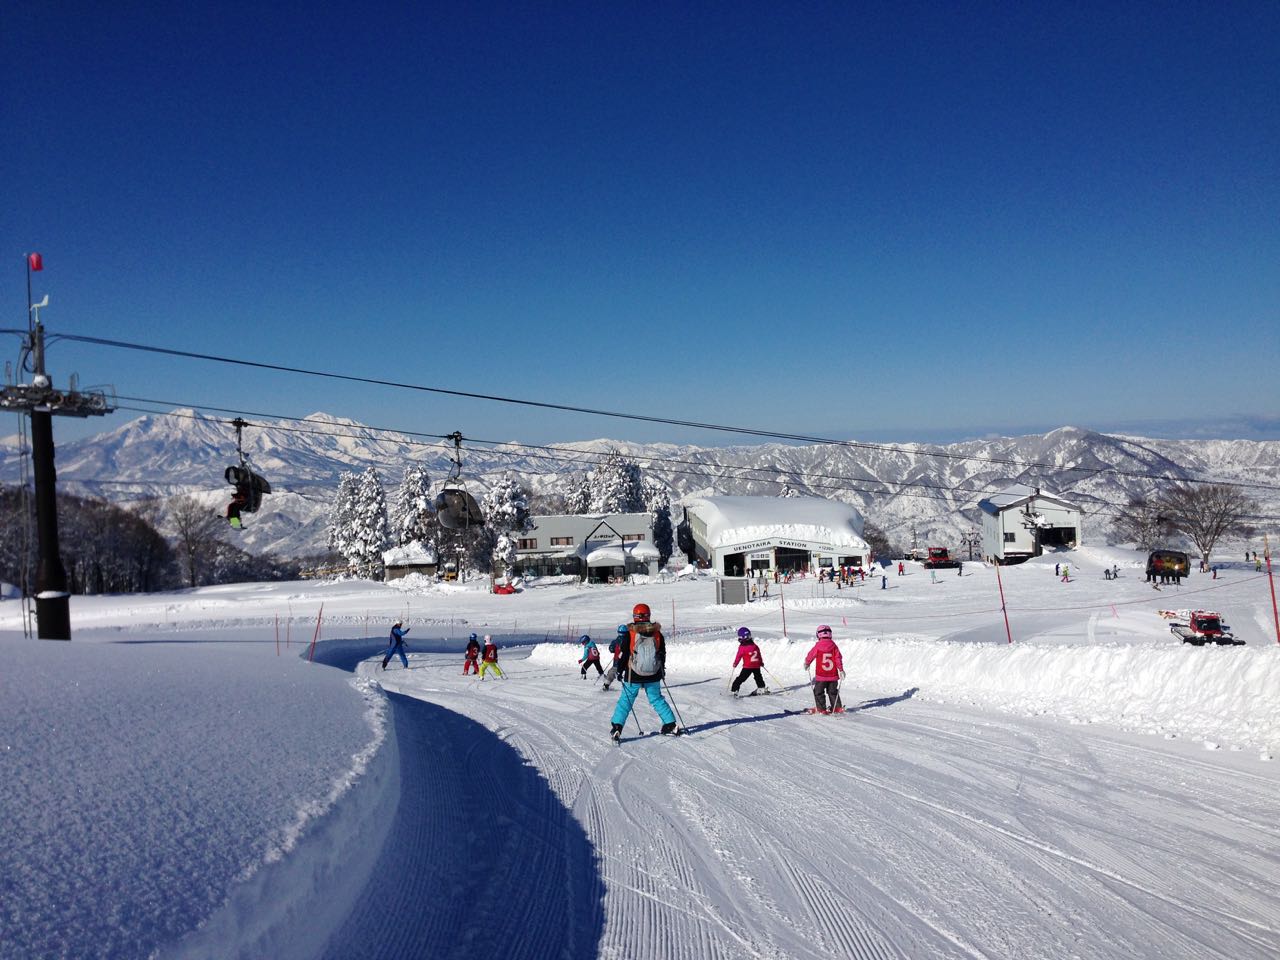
{"points": [[190, 777]]}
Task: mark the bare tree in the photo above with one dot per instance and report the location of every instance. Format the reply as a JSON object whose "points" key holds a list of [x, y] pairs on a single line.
{"points": [[1143, 521], [1206, 512], [197, 528]]}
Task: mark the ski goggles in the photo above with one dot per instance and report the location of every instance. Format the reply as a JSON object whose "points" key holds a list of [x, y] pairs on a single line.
{"points": [[824, 631]]}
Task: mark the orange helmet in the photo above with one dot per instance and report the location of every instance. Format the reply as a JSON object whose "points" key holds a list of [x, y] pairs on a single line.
{"points": [[640, 613]]}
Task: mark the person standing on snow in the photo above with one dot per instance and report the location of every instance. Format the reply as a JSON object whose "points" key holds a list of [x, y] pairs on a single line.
{"points": [[396, 641], [828, 668], [490, 658], [642, 666], [615, 648], [470, 665], [590, 656], [752, 660]]}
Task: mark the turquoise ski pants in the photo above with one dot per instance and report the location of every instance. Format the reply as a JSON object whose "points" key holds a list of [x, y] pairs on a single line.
{"points": [[654, 691]]}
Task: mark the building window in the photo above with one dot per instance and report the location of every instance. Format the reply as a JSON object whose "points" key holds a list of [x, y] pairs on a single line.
{"points": [[528, 543], [633, 538], [1010, 536], [562, 541]]}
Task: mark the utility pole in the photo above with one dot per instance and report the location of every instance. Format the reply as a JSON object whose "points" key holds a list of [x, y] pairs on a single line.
{"points": [[972, 540], [43, 402]]}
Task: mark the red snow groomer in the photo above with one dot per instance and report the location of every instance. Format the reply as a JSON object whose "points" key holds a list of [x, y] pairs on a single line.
{"points": [[1203, 626], [939, 558]]}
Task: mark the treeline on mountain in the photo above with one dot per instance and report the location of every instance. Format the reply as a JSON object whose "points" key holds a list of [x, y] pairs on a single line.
{"points": [[108, 549]]}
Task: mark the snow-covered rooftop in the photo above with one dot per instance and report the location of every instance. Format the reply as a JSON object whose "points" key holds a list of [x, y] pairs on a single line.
{"points": [[1019, 493], [411, 553], [730, 520]]}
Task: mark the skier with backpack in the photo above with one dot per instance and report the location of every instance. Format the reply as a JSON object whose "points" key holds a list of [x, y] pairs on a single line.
{"points": [[828, 669], [470, 664], [489, 659], [396, 641], [590, 656], [615, 648], [642, 666], [752, 661]]}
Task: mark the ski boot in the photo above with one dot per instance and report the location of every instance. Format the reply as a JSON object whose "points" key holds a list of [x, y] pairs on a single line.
{"points": [[838, 710], [670, 729], [615, 732]]}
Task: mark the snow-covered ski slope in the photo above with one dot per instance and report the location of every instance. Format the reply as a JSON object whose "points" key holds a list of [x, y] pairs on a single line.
{"points": [[1095, 790]]}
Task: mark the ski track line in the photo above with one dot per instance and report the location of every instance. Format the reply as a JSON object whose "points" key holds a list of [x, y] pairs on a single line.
{"points": [[650, 880], [1203, 911], [839, 923]]}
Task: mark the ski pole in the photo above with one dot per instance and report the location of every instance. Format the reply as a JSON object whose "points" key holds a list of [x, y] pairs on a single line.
{"points": [[673, 703], [776, 681], [632, 708]]}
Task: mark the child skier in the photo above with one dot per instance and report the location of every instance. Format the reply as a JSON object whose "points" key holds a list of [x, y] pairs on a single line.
{"points": [[752, 660], [827, 670], [615, 648], [469, 665], [642, 666], [396, 641], [590, 656], [490, 658]]}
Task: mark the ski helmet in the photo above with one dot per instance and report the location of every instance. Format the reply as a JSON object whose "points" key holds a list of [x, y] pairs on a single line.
{"points": [[640, 613], [623, 629], [488, 638], [824, 631], [744, 633], [584, 639], [474, 637]]}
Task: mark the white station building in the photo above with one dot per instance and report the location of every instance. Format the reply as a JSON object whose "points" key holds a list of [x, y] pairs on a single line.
{"points": [[746, 536], [1018, 523]]}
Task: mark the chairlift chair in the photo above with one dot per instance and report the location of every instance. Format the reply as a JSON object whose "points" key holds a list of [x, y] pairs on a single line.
{"points": [[249, 486], [456, 509]]}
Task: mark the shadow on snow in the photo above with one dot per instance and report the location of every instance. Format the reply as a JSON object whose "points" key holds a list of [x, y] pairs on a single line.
{"points": [[481, 859]]}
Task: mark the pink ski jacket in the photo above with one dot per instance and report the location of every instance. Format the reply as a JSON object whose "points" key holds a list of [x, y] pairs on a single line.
{"points": [[825, 656], [749, 656]]}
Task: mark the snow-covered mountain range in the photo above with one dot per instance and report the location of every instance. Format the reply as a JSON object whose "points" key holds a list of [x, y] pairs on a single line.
{"points": [[926, 491]]}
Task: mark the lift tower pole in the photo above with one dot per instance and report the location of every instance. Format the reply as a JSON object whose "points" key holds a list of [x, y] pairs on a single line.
{"points": [[43, 402]]}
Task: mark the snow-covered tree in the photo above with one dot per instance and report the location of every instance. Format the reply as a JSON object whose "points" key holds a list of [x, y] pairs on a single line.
{"points": [[787, 490], [506, 516], [369, 536], [358, 523], [577, 498], [415, 518], [658, 501], [617, 486], [340, 513]]}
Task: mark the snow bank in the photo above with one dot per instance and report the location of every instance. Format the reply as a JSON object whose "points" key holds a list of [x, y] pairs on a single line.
{"points": [[1227, 694]]}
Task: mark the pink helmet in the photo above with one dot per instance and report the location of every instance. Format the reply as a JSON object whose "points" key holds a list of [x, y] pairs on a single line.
{"points": [[824, 631]]}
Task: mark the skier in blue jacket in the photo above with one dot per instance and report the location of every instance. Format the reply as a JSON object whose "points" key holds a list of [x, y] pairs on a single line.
{"points": [[590, 656], [396, 641]]}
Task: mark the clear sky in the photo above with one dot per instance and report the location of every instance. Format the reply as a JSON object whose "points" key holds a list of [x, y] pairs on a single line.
{"points": [[899, 221]]}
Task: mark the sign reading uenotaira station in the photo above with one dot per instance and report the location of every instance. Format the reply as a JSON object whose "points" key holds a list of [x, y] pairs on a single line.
{"points": [[778, 542]]}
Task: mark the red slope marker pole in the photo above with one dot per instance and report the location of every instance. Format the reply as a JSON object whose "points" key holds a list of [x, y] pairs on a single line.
{"points": [[1266, 552], [316, 636], [1003, 608]]}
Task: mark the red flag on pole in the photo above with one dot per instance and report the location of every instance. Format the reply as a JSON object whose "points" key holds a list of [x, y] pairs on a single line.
{"points": [[35, 262]]}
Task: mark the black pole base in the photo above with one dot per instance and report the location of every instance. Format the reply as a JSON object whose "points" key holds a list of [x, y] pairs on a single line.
{"points": [[53, 618]]}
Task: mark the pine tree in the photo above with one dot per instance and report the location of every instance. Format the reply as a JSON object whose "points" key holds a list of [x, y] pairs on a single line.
{"points": [[787, 490], [340, 513], [658, 502], [506, 516], [577, 498], [415, 518], [358, 523], [616, 485]]}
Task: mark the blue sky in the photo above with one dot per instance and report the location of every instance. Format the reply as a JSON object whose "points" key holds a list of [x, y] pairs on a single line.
{"points": [[889, 222]]}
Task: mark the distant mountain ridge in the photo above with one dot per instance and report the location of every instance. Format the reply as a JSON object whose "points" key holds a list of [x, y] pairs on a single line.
{"points": [[931, 489]]}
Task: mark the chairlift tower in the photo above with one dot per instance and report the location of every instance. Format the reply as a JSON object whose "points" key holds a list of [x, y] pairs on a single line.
{"points": [[43, 402]]}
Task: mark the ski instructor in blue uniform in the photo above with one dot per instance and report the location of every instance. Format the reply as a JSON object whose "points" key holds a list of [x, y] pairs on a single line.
{"points": [[641, 666]]}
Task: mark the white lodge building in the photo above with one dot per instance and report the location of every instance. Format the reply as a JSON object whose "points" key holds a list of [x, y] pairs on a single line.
{"points": [[1018, 523], [739, 536]]}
